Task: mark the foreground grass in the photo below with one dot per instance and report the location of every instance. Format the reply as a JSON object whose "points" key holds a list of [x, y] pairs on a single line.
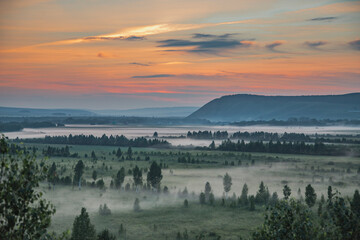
{"points": [[166, 222]]}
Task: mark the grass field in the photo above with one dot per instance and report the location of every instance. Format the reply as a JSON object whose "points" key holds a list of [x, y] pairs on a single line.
{"points": [[167, 211]]}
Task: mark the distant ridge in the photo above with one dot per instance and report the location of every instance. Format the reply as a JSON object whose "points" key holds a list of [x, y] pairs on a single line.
{"points": [[150, 112], [38, 112], [247, 107]]}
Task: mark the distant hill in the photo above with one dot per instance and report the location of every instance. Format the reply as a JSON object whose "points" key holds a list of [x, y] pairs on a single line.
{"points": [[245, 107], [37, 112], [150, 112]]}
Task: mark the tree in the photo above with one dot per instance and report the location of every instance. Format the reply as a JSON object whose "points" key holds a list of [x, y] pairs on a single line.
{"points": [[120, 177], [207, 190], [129, 153], [23, 212], [227, 182], [202, 198], [154, 176], [211, 199], [82, 227], [287, 192], [52, 174], [118, 153], [155, 135], [186, 203], [355, 203], [137, 176], [94, 175], [310, 196], [137, 205], [252, 203], [93, 156], [274, 199], [243, 198], [263, 195], [79, 170], [287, 220], [212, 145], [105, 235]]}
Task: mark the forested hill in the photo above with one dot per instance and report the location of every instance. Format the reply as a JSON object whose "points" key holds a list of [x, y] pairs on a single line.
{"points": [[245, 107]]}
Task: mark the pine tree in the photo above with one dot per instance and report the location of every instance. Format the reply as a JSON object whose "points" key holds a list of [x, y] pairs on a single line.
{"points": [[137, 205], [202, 198], [310, 196], [186, 203], [82, 227], [137, 176], [119, 178], [244, 198], [118, 153], [129, 153], [79, 170], [287, 192], [252, 203], [154, 176], [105, 235], [207, 190], [355, 203], [211, 199]]}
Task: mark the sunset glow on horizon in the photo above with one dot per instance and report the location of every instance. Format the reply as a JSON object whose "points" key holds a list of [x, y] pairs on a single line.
{"points": [[131, 54]]}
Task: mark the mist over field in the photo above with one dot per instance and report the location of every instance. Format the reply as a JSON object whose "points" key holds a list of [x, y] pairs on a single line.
{"points": [[179, 120]]}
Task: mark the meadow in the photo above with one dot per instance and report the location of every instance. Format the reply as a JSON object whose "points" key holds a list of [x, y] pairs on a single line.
{"points": [[163, 215]]}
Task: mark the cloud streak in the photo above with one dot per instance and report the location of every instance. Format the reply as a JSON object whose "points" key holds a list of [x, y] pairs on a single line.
{"points": [[155, 76], [315, 44], [273, 45], [322, 19], [211, 44], [140, 33], [355, 44]]}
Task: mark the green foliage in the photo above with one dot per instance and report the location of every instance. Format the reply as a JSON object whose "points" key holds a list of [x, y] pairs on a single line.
{"points": [[244, 195], [288, 219], [263, 195], [186, 203], [82, 227], [211, 199], [119, 178], [94, 175], [154, 175], [137, 176], [207, 190], [104, 210], [137, 205], [106, 235], [287, 192], [227, 182], [118, 153], [310, 196], [79, 171], [23, 212], [202, 198], [252, 203], [355, 204]]}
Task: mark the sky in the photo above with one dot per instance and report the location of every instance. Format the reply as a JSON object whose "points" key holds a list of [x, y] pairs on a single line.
{"points": [[122, 54]]}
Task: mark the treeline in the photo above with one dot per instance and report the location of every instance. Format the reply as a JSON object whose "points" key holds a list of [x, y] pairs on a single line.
{"points": [[317, 148], [58, 152], [208, 135], [298, 122], [250, 136], [18, 126], [93, 140]]}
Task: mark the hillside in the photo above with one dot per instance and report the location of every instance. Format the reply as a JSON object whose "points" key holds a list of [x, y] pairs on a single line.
{"points": [[38, 112], [245, 107]]}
